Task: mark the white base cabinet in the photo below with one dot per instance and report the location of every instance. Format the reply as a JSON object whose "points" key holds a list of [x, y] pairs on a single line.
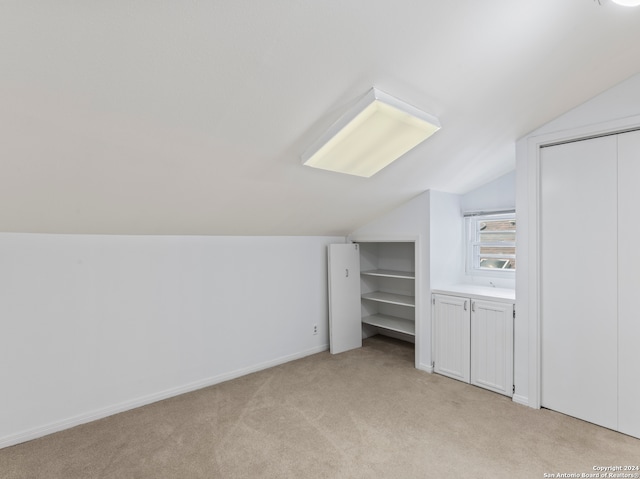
{"points": [[492, 346], [451, 337], [473, 341]]}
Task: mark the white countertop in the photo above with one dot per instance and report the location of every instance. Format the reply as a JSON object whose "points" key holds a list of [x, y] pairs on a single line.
{"points": [[475, 291]]}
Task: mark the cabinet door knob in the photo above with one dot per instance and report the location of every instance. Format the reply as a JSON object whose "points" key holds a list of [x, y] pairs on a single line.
{"points": [[465, 305], [346, 273], [473, 306]]}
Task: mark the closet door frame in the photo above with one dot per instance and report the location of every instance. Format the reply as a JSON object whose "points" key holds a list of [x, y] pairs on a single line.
{"points": [[628, 284], [529, 239]]}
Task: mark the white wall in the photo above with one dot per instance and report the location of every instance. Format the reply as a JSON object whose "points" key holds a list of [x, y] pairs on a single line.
{"points": [[499, 194], [446, 255], [611, 107], [621, 101], [92, 325], [521, 325]]}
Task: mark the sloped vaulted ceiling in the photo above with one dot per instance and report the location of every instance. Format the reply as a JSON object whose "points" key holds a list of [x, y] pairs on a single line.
{"points": [[189, 117]]}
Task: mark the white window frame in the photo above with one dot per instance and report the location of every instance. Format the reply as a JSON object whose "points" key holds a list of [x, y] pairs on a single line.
{"points": [[472, 221]]}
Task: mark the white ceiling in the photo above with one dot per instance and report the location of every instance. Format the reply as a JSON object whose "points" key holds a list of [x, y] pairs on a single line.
{"points": [[189, 117]]}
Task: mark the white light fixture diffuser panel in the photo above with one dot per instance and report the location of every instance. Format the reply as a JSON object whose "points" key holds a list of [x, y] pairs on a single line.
{"points": [[628, 3], [378, 130]]}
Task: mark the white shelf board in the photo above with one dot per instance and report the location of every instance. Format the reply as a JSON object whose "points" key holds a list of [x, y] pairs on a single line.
{"points": [[391, 323], [391, 298], [389, 273]]}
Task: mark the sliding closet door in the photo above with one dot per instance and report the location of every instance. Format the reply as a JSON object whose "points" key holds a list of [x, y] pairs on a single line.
{"points": [[578, 229], [629, 283]]}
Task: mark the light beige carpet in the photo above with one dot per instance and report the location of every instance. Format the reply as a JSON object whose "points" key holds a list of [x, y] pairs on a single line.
{"points": [[366, 413]]}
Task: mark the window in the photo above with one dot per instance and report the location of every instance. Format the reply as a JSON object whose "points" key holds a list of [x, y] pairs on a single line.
{"points": [[492, 243]]}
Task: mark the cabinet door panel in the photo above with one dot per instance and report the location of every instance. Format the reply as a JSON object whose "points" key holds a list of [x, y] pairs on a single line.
{"points": [[345, 327], [451, 336], [492, 346], [629, 283], [578, 270]]}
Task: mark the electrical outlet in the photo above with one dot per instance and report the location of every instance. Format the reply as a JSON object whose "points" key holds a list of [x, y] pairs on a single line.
{"points": [[315, 329]]}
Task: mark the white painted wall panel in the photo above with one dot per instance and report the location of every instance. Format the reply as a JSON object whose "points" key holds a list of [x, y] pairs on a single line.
{"points": [[579, 279], [447, 240], [91, 325], [524, 329], [629, 283], [499, 194], [621, 101]]}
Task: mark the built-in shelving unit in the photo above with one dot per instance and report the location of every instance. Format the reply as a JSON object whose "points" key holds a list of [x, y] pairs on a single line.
{"points": [[388, 286]]}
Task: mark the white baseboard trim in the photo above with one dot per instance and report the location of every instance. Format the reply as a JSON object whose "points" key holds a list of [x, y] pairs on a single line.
{"points": [[34, 433], [524, 400], [425, 367]]}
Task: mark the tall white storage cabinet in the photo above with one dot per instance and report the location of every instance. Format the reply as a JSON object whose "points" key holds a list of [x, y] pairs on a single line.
{"points": [[473, 340], [381, 297], [589, 265]]}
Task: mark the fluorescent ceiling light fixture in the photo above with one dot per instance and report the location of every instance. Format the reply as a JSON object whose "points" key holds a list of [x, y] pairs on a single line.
{"points": [[627, 3], [378, 130]]}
